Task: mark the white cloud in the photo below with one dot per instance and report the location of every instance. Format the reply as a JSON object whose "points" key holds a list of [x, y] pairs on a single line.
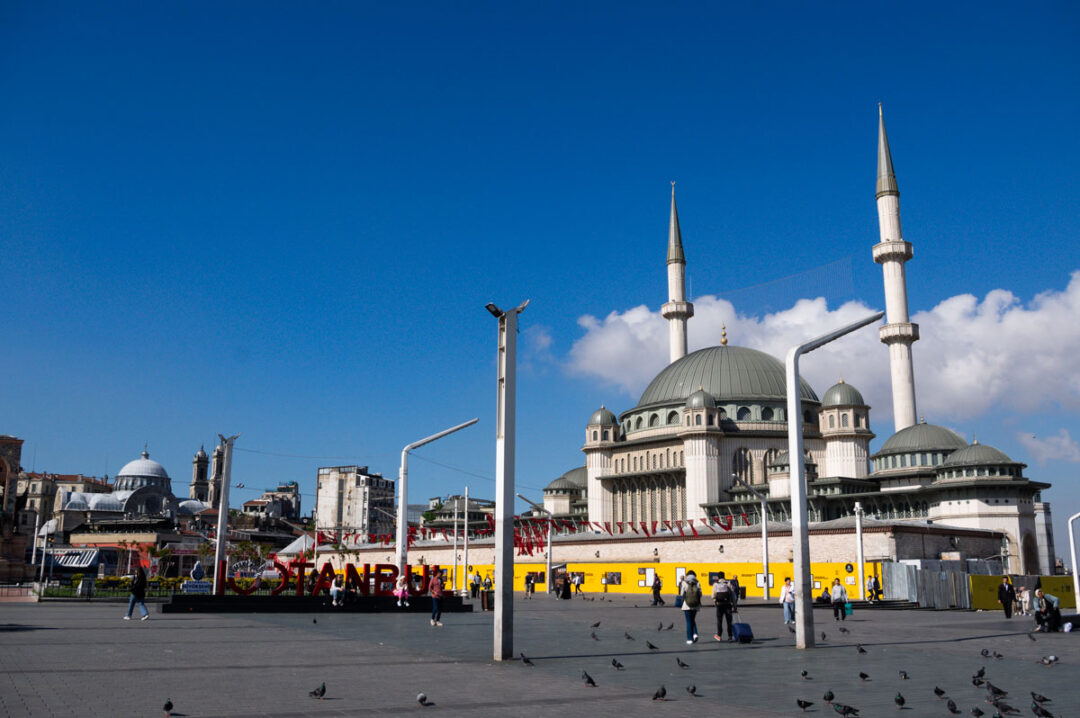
{"points": [[972, 355], [1060, 447]]}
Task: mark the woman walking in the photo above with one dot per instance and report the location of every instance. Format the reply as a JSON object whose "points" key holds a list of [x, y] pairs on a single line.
{"points": [[138, 594], [838, 595], [435, 590], [690, 590], [787, 600]]}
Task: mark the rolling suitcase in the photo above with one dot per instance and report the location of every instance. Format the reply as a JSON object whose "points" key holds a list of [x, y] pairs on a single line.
{"points": [[742, 632]]}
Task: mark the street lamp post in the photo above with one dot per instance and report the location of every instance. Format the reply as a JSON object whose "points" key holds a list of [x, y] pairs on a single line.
{"points": [[764, 531], [223, 512], [859, 549], [800, 534], [1072, 549], [402, 548], [506, 392], [551, 517]]}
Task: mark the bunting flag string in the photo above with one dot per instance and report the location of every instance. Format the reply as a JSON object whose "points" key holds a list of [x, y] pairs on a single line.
{"points": [[693, 530], [618, 524], [654, 527], [668, 525], [705, 522], [607, 527], [746, 519], [645, 528], [633, 528], [678, 525]]}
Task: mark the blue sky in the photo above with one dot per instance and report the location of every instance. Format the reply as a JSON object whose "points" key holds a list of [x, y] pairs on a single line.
{"points": [[285, 221]]}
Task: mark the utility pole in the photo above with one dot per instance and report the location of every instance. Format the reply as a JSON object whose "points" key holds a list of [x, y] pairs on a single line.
{"points": [[223, 511], [859, 548], [465, 553], [506, 391]]}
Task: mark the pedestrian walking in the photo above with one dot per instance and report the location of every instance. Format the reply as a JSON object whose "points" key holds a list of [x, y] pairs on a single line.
{"points": [[877, 589], [530, 586], [657, 584], [578, 580], [138, 595], [565, 587], [1025, 601], [1047, 611], [787, 600], [475, 585], [435, 590], [870, 588], [838, 597], [690, 590], [723, 594], [1006, 596]]}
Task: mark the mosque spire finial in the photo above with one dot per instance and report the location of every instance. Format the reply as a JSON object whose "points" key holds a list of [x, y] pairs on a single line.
{"points": [[723, 335], [886, 175], [675, 250]]}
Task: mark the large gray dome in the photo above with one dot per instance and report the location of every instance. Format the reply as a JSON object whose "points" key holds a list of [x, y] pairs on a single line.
{"points": [[728, 373], [978, 455], [922, 437], [143, 467]]}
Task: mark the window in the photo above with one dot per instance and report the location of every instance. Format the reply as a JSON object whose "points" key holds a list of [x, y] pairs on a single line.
{"points": [[743, 466], [767, 414], [654, 420], [903, 460], [743, 414], [843, 420], [697, 419], [808, 416], [832, 421], [710, 422], [673, 417], [594, 436], [606, 434], [640, 423]]}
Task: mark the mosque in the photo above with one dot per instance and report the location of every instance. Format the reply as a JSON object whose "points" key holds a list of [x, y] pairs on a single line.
{"points": [[721, 412]]}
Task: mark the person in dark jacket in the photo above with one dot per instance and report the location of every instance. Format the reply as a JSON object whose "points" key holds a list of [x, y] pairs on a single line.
{"points": [[1006, 596], [138, 595]]}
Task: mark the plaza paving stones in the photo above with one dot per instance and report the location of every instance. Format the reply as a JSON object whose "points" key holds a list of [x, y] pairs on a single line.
{"points": [[76, 659]]}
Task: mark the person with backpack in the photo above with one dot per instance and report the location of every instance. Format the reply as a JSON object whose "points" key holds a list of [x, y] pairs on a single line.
{"points": [[724, 597], [690, 590], [657, 584]]}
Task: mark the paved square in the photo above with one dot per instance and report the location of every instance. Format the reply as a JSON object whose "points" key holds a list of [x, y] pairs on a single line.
{"points": [[76, 659]]}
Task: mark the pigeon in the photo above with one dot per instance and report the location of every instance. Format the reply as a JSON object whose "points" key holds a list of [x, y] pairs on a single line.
{"points": [[595, 625], [803, 704], [314, 620], [985, 653], [903, 675], [996, 714], [1031, 636], [844, 630], [951, 705], [1039, 698], [680, 663], [863, 676], [594, 636], [660, 627], [526, 661], [899, 701], [977, 682], [660, 695], [168, 707], [823, 636], [845, 710], [670, 626], [861, 649], [976, 712], [938, 692], [997, 655], [588, 679], [994, 690], [1048, 660], [981, 672], [651, 647], [616, 665], [1003, 707], [791, 628], [319, 692], [628, 636], [692, 690], [421, 699], [828, 696], [1040, 711], [805, 675]]}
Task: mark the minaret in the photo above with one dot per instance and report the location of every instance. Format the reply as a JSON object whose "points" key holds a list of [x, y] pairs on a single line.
{"points": [[891, 253], [677, 310], [200, 486]]}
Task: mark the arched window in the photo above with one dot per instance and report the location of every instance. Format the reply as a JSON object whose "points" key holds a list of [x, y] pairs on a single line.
{"points": [[743, 414], [654, 420], [808, 416], [640, 422], [767, 414], [770, 455], [673, 417], [688, 420], [832, 421], [606, 434], [635, 463], [594, 436], [743, 466], [697, 419], [843, 420], [710, 420]]}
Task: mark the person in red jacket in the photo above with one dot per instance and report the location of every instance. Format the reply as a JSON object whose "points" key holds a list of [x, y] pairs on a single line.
{"points": [[435, 590]]}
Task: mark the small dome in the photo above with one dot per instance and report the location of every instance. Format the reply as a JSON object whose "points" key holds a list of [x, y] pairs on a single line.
{"points": [[782, 459], [191, 507], [841, 394], [603, 416], [978, 455], [76, 502], [143, 467], [922, 437], [562, 484], [700, 399], [201, 453], [105, 502], [579, 476]]}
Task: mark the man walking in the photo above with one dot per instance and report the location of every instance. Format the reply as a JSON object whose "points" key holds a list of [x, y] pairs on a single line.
{"points": [[724, 597], [1006, 596]]}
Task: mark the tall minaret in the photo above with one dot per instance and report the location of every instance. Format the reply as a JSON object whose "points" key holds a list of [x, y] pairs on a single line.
{"points": [[891, 253], [677, 310]]}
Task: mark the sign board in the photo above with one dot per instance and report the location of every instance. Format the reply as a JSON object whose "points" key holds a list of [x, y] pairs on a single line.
{"points": [[196, 586]]}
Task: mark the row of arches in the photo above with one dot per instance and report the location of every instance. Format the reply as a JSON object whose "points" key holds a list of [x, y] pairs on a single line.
{"points": [[650, 461]]}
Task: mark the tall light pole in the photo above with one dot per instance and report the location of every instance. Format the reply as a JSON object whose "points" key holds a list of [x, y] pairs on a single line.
{"points": [[764, 531], [800, 534], [859, 549], [402, 549], [465, 551], [504, 478], [223, 512], [551, 517], [1072, 549]]}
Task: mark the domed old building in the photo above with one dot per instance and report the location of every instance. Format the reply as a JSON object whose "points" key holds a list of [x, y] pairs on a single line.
{"points": [[141, 488]]}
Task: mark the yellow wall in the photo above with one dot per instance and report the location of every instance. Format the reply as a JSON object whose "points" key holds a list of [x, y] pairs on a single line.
{"points": [[984, 591], [632, 575]]}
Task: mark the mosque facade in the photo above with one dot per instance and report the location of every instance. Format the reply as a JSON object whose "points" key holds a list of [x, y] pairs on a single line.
{"points": [[708, 437]]}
